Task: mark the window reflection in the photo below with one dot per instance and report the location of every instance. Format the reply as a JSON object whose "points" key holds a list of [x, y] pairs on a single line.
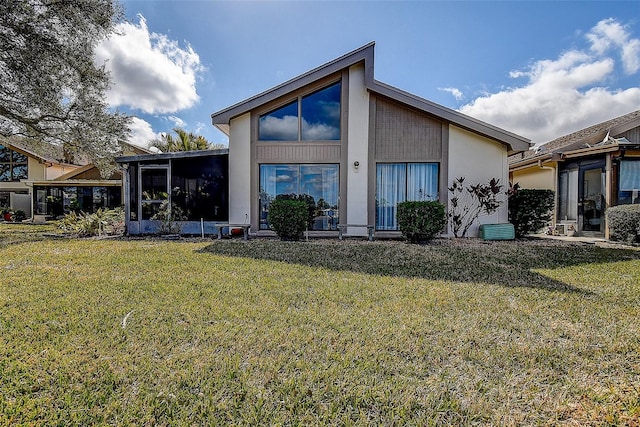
{"points": [[280, 125], [13, 165], [321, 115], [320, 119], [319, 181]]}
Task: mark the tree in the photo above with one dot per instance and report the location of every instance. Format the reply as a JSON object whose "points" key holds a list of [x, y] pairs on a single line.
{"points": [[52, 94], [184, 141]]}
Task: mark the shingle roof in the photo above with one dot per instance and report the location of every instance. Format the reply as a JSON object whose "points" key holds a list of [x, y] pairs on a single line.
{"points": [[582, 138]]}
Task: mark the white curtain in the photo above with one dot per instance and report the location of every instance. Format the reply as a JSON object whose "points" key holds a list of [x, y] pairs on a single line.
{"points": [[390, 190], [422, 181], [629, 175]]}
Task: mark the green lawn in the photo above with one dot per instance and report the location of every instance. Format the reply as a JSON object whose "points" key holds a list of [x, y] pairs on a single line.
{"points": [[201, 332]]}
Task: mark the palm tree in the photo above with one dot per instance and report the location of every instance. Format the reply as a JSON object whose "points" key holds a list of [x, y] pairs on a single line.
{"points": [[183, 141]]}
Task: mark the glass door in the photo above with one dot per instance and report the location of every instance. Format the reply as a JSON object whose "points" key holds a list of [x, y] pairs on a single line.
{"points": [[592, 201], [154, 190]]}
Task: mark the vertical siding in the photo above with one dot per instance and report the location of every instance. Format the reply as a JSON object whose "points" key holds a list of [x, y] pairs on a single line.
{"points": [[403, 134], [297, 153], [632, 135]]}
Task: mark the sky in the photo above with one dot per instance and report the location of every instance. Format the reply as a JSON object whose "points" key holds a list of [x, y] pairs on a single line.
{"points": [[540, 69]]}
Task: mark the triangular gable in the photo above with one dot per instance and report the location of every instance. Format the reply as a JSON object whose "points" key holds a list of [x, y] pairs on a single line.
{"points": [[221, 119]]}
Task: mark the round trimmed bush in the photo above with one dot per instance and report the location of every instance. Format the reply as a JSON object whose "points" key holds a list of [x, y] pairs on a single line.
{"points": [[288, 218], [420, 221]]}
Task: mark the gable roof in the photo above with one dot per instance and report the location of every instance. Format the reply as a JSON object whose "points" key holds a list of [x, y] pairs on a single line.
{"points": [[221, 119], [599, 137]]}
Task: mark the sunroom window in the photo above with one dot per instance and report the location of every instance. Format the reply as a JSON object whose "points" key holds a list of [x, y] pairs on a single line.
{"points": [[313, 117]]}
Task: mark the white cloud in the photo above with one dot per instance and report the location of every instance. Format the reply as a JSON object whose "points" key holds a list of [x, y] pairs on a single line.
{"points": [[149, 71], [570, 92], [457, 94], [141, 132], [177, 121]]}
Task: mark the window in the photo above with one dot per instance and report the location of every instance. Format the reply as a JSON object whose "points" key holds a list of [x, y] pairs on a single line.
{"points": [[320, 181], [13, 165], [313, 117], [568, 195], [399, 182], [629, 191], [199, 187]]}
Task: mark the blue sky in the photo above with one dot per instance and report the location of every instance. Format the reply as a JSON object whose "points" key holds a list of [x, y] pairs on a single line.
{"points": [[540, 69]]}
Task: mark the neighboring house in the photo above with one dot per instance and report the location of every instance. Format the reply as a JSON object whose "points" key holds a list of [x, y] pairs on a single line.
{"points": [[19, 166], [356, 145], [41, 185], [589, 170]]}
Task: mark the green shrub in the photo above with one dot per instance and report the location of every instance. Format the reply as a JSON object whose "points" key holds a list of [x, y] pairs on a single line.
{"points": [[624, 223], [420, 221], [308, 200], [106, 222], [530, 210], [19, 215], [288, 217]]}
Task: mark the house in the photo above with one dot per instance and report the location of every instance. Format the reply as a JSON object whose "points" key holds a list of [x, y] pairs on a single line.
{"points": [[46, 186], [356, 145], [20, 165], [589, 170]]}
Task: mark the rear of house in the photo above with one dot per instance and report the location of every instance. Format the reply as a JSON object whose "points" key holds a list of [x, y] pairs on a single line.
{"points": [[356, 145]]}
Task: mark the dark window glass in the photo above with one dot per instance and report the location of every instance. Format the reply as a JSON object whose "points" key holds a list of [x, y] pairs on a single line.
{"points": [[5, 154], [5, 172], [321, 115], [19, 158], [280, 125], [200, 188], [20, 172], [154, 184]]}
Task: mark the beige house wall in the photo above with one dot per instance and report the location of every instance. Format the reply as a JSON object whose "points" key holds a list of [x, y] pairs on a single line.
{"points": [[536, 178], [478, 159], [240, 167]]}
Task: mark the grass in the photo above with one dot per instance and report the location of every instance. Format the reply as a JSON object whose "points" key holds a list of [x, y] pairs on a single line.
{"points": [[195, 332]]}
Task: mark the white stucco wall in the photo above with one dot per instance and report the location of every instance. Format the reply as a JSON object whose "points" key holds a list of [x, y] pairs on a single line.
{"points": [[478, 159], [358, 150], [240, 170]]}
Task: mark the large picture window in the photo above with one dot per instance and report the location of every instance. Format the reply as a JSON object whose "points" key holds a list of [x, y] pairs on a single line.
{"points": [[313, 117], [13, 165], [629, 191], [399, 182], [320, 181]]}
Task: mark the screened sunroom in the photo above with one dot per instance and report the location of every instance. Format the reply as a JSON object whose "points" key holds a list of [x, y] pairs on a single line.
{"points": [[191, 188]]}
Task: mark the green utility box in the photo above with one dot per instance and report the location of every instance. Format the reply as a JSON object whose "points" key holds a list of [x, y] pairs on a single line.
{"points": [[497, 232]]}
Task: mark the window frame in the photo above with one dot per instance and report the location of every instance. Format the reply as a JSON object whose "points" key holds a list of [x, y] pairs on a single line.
{"points": [[298, 99]]}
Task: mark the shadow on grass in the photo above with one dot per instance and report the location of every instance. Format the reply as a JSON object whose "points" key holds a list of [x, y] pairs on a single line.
{"points": [[508, 264]]}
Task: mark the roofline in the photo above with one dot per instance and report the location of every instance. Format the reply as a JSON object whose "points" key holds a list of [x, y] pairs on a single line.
{"points": [[516, 143], [172, 155], [364, 53]]}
